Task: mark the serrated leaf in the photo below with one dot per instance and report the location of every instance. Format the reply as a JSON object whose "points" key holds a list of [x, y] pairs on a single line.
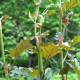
{"points": [[70, 4], [20, 48], [49, 12], [25, 72], [32, 71], [5, 17], [74, 41], [66, 48], [19, 73], [73, 63], [64, 70], [26, 69], [49, 50]]}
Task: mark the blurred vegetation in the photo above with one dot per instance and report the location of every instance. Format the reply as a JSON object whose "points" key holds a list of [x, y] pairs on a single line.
{"points": [[20, 27], [71, 76]]}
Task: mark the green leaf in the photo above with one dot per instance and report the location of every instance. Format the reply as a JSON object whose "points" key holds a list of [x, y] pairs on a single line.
{"points": [[64, 70], [48, 73], [67, 48], [70, 4], [5, 17], [26, 69], [49, 50], [44, 34], [49, 12], [19, 73], [32, 71], [31, 14], [25, 72], [20, 48], [45, 49], [73, 63], [74, 41]]}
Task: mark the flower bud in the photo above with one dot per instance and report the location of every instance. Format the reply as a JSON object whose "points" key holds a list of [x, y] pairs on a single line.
{"points": [[38, 25], [60, 12], [65, 20], [61, 39], [70, 14]]}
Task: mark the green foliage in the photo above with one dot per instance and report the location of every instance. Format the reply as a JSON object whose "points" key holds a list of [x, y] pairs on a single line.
{"points": [[72, 3], [71, 76], [73, 63], [5, 17], [48, 73], [20, 48], [49, 50], [24, 72], [49, 12], [32, 71], [22, 60], [19, 73], [78, 55], [42, 16], [44, 34], [21, 27], [74, 41]]}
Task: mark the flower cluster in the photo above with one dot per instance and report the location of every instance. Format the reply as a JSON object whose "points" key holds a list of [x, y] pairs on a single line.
{"points": [[57, 35]]}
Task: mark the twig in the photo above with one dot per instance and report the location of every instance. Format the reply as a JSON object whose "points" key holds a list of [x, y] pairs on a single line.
{"points": [[65, 57], [72, 31]]}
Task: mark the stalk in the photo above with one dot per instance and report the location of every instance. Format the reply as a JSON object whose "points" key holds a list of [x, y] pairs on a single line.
{"points": [[37, 50], [40, 57], [40, 62], [60, 25], [2, 46], [3, 54], [64, 29], [60, 29], [35, 27], [45, 67]]}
